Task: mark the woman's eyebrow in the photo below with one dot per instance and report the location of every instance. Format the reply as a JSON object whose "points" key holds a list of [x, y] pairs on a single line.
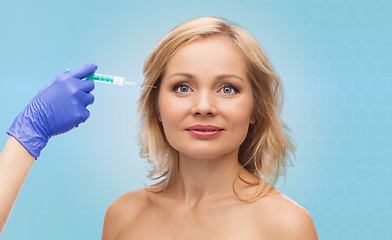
{"points": [[187, 75], [219, 77], [223, 76]]}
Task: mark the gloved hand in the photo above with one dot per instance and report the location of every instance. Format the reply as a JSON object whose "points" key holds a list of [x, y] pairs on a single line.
{"points": [[56, 109]]}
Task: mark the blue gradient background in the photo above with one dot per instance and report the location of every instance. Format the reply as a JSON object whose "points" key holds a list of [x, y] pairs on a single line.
{"points": [[334, 58]]}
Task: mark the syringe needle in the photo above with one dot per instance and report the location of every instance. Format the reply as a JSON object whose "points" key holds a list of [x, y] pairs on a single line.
{"points": [[137, 84]]}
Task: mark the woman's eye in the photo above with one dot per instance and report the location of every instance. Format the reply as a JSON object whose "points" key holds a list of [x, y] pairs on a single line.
{"points": [[229, 90], [181, 88]]}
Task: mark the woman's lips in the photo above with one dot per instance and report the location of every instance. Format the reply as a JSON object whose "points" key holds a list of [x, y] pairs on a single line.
{"points": [[204, 131]]}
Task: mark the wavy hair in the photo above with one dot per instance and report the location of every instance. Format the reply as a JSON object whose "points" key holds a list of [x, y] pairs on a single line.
{"points": [[267, 148]]}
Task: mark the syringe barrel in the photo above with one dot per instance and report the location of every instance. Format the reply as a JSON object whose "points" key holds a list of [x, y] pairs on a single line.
{"points": [[117, 80], [100, 77]]}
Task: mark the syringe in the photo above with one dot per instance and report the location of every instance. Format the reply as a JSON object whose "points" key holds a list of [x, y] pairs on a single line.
{"points": [[104, 78], [109, 79]]}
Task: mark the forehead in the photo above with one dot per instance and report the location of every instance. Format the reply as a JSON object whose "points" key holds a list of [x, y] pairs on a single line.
{"points": [[215, 54]]}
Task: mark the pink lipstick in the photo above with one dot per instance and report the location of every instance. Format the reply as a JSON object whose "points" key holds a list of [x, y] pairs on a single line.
{"points": [[204, 131]]}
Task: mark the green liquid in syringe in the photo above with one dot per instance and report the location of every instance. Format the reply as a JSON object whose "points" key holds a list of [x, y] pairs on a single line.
{"points": [[100, 77]]}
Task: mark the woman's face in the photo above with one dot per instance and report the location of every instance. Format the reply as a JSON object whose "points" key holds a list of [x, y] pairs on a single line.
{"points": [[205, 99]]}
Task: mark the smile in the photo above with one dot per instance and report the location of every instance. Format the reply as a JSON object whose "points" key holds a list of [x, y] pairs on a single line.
{"points": [[204, 131]]}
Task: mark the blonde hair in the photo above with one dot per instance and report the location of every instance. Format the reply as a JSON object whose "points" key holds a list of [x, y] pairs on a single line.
{"points": [[266, 149]]}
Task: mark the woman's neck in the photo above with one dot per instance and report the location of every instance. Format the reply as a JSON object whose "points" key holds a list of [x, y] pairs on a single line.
{"points": [[206, 179]]}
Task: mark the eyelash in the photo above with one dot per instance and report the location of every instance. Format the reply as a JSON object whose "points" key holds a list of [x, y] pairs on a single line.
{"points": [[178, 85]]}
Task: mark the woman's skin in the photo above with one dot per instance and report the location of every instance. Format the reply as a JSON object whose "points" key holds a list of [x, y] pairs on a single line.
{"points": [[205, 84], [15, 164]]}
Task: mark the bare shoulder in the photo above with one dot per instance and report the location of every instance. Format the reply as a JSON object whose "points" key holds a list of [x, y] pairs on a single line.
{"points": [[123, 211], [282, 218]]}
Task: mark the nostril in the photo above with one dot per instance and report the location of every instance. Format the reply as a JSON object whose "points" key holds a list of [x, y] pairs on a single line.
{"points": [[204, 114]]}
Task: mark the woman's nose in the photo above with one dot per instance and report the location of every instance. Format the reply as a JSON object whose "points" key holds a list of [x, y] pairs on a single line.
{"points": [[204, 104]]}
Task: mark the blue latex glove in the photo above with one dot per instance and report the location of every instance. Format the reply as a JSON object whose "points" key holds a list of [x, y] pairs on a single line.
{"points": [[57, 108]]}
